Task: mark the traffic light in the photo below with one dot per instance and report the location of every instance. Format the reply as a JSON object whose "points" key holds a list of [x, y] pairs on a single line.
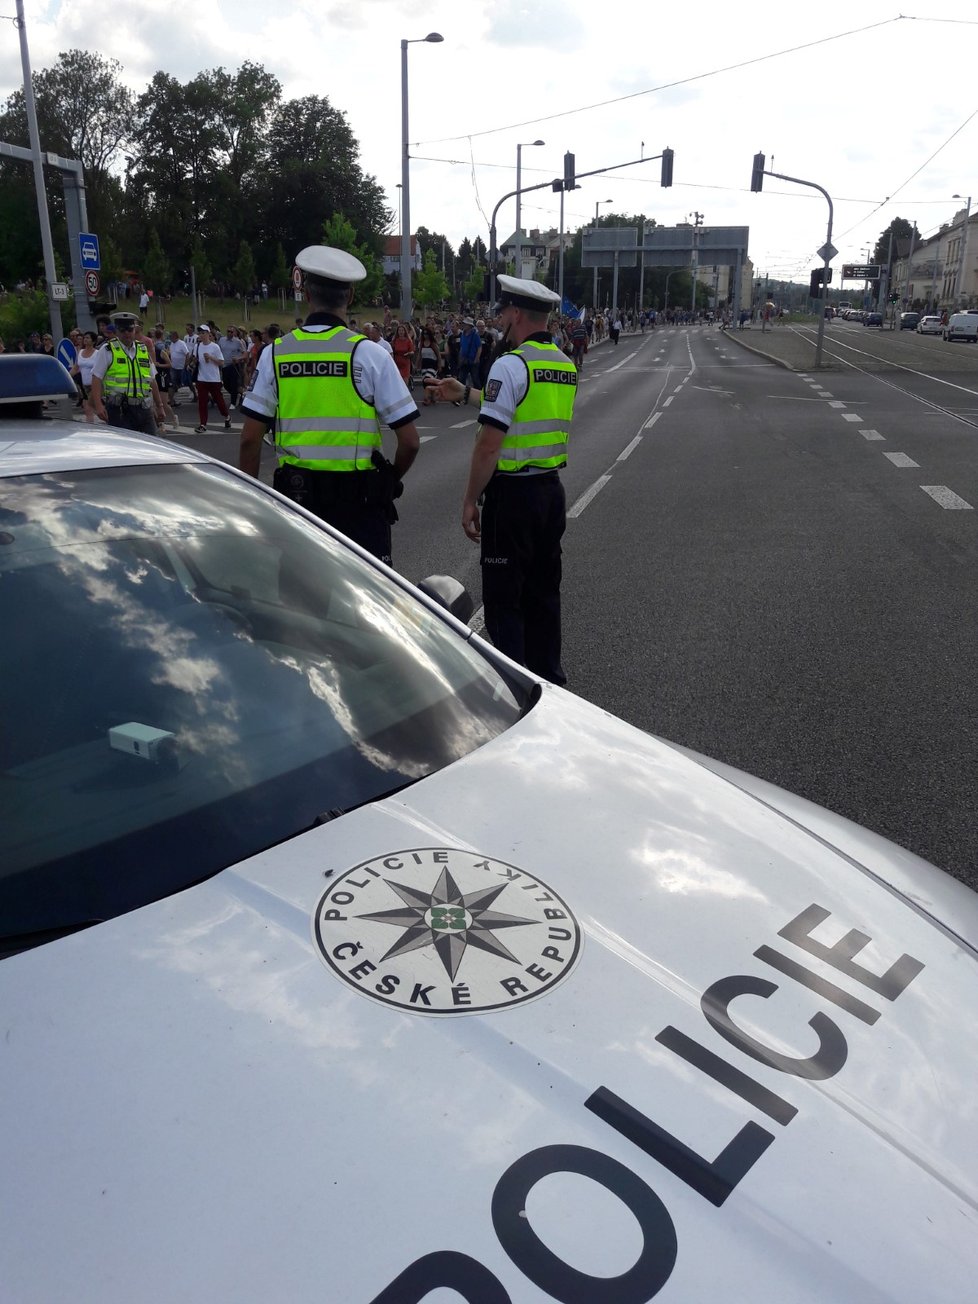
{"points": [[815, 284], [558, 185], [757, 176], [666, 177], [894, 298], [569, 182]]}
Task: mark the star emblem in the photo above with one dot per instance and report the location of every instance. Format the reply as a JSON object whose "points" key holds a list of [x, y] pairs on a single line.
{"points": [[449, 920]]}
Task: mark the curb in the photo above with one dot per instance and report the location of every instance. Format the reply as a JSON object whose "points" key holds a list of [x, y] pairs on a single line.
{"points": [[737, 335]]}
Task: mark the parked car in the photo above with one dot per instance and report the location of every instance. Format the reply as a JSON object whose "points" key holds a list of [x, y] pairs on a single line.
{"points": [[346, 960], [873, 319], [961, 326], [930, 325], [909, 320]]}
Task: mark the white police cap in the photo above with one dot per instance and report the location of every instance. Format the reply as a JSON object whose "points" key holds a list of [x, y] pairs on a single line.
{"points": [[526, 294], [330, 264]]}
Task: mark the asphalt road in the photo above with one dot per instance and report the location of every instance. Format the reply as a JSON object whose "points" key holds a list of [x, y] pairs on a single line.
{"points": [[775, 569]]}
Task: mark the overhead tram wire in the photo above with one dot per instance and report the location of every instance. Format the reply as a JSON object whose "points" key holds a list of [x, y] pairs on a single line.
{"points": [[667, 86]]}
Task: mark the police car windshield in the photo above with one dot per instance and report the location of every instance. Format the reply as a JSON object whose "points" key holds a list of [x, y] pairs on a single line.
{"points": [[191, 672]]}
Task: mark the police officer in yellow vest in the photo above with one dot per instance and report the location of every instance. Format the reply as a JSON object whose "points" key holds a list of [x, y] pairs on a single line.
{"points": [[326, 389], [525, 417], [124, 390]]}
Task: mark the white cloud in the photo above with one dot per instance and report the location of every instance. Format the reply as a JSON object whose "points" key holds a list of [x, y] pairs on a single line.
{"points": [[853, 114]]}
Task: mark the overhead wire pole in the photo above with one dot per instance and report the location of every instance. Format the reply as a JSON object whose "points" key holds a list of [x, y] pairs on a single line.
{"points": [[827, 251], [544, 185]]}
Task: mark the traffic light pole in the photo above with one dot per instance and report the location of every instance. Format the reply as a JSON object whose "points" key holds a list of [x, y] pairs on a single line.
{"points": [[552, 185], [827, 251]]}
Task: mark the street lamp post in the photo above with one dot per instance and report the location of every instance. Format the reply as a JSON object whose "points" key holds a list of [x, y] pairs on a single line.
{"points": [[518, 257], [406, 304], [594, 302], [963, 278]]}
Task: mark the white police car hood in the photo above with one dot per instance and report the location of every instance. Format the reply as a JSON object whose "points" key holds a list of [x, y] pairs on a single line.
{"points": [[575, 1019]]}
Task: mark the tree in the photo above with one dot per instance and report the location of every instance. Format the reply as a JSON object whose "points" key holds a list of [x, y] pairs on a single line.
{"points": [[155, 268], [281, 273], [902, 230], [83, 112], [312, 172], [474, 287], [245, 276], [429, 286], [203, 271], [339, 233]]}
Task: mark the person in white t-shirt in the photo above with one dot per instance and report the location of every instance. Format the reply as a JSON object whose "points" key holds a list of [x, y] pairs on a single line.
{"points": [[210, 362]]}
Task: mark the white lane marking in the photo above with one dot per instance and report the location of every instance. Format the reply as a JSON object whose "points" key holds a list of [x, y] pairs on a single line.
{"points": [[836, 403], [898, 366], [668, 401], [460, 425], [679, 388], [622, 363], [652, 420], [850, 416], [871, 434], [425, 438], [946, 497], [823, 393], [588, 494], [901, 459], [627, 451]]}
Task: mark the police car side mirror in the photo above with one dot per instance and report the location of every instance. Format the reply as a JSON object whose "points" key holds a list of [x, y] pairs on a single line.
{"points": [[450, 594]]}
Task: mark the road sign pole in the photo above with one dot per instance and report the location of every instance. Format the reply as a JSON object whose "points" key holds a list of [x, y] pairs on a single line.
{"points": [[827, 251]]}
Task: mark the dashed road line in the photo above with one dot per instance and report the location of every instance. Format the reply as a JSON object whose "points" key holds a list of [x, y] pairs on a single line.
{"points": [[588, 495], [850, 416], [871, 434], [946, 498], [629, 449], [901, 459]]}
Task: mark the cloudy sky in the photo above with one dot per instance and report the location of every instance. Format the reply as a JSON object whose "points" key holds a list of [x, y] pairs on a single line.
{"points": [[879, 109]]}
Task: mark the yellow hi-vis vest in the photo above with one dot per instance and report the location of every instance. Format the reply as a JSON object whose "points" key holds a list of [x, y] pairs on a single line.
{"points": [[322, 421], [538, 434], [127, 377]]}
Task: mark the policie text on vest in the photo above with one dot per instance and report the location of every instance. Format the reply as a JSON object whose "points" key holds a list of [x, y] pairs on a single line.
{"points": [[310, 367]]}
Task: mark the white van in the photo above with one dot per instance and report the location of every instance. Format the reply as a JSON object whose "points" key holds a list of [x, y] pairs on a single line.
{"points": [[962, 326]]}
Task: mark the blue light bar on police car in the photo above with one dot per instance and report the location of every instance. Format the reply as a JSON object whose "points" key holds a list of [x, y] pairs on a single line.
{"points": [[30, 377]]}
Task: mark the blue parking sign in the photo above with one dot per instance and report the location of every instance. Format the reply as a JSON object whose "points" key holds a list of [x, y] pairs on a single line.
{"points": [[91, 260]]}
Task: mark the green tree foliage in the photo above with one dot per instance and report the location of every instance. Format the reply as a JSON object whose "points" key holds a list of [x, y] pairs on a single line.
{"points": [[245, 277], [199, 261], [429, 287], [207, 163], [902, 231], [280, 276], [474, 284], [156, 271], [312, 172], [340, 234]]}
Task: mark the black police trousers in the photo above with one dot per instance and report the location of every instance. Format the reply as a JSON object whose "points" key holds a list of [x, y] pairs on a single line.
{"points": [[353, 502], [128, 417], [523, 520]]}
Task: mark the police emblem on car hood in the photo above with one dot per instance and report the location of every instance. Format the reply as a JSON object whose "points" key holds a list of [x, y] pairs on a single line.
{"points": [[437, 930]]}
